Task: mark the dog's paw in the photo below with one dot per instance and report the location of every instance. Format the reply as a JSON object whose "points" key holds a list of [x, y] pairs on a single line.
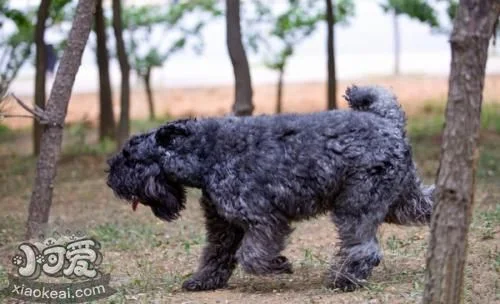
{"points": [[280, 264], [277, 265], [344, 282], [196, 284]]}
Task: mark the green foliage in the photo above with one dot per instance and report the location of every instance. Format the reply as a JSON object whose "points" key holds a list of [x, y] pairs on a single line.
{"points": [[490, 117], [60, 11], [420, 10], [168, 22], [291, 27], [4, 130], [77, 140], [431, 120], [452, 9], [15, 47], [18, 17], [146, 124], [343, 10]]}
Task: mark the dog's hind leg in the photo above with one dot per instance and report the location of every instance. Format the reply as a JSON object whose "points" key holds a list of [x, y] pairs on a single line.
{"points": [[261, 246], [357, 213], [218, 259]]}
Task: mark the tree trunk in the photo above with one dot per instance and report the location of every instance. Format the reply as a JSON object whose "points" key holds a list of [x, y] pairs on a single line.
{"points": [[149, 93], [279, 94], [57, 106], [40, 66], [452, 212], [124, 124], [332, 77], [106, 115], [397, 44], [243, 104]]}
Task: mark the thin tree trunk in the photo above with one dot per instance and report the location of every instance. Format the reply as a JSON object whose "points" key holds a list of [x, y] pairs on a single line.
{"points": [[124, 124], [40, 66], [454, 197], [149, 93], [279, 94], [397, 44], [243, 104], [57, 105], [332, 77], [106, 115]]}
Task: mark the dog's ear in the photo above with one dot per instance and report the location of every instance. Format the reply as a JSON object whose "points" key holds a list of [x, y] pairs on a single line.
{"points": [[167, 133], [166, 198]]}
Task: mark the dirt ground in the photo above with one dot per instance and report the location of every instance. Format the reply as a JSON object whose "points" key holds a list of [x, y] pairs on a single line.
{"points": [[148, 259], [413, 91]]}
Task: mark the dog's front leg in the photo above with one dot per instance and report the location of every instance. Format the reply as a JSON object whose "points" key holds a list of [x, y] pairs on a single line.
{"points": [[218, 259], [260, 249]]}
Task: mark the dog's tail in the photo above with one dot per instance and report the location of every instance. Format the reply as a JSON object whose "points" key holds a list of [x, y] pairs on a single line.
{"points": [[414, 205], [377, 100]]}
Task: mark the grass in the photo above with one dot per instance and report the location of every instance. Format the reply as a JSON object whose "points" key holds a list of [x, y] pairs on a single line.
{"points": [[426, 127], [487, 222], [81, 137], [430, 120], [146, 124], [4, 130], [3, 281], [148, 259], [127, 236]]}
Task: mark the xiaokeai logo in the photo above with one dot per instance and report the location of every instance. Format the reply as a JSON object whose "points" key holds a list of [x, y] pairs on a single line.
{"points": [[59, 269]]}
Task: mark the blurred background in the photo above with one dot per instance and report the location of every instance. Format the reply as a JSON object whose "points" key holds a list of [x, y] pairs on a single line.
{"points": [[197, 79], [365, 47]]}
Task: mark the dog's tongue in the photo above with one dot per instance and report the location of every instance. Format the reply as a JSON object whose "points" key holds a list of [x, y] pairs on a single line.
{"points": [[134, 205]]}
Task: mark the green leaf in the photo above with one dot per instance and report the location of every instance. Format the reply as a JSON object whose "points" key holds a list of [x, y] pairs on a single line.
{"points": [[452, 9], [280, 34], [60, 11], [344, 10], [141, 22], [420, 10], [18, 17]]}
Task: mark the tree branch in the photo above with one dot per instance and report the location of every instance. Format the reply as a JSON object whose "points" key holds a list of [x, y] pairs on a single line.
{"points": [[2, 116], [37, 113]]}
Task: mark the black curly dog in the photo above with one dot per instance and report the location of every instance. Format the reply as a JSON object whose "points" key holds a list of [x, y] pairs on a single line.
{"points": [[257, 174]]}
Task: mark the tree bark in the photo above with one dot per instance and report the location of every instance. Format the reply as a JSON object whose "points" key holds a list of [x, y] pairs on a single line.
{"points": [[149, 93], [332, 77], [452, 212], [57, 106], [41, 67], [397, 44], [243, 104], [279, 93], [106, 115], [124, 124]]}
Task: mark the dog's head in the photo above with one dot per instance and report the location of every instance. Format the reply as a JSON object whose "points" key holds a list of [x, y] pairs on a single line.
{"points": [[136, 175]]}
